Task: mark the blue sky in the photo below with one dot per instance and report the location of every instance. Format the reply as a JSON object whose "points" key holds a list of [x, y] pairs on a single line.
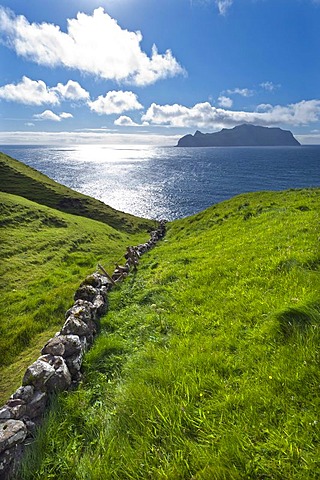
{"points": [[150, 71]]}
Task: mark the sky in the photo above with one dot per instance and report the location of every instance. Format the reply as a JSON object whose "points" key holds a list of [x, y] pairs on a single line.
{"points": [[150, 71]]}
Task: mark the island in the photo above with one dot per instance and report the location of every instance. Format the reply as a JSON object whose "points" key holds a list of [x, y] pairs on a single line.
{"points": [[241, 136]]}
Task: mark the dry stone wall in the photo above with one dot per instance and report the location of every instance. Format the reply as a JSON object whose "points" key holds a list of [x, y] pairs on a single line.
{"points": [[59, 366]]}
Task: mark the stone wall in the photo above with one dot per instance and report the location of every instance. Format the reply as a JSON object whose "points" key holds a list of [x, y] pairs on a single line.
{"points": [[59, 366]]}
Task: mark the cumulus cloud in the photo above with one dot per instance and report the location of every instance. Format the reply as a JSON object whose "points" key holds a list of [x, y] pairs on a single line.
{"points": [[206, 116], [93, 44], [51, 116], [36, 92], [264, 107], [65, 115], [225, 102], [71, 91], [29, 92], [223, 5], [125, 121], [115, 102]]}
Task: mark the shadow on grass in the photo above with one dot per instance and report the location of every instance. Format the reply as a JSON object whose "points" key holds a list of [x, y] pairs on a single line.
{"points": [[299, 319]]}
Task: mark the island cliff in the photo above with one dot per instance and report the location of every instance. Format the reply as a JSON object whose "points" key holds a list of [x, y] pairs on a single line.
{"points": [[241, 136]]}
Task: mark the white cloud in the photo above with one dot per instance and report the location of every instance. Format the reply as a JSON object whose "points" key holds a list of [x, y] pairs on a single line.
{"points": [[244, 92], [309, 139], [223, 5], [29, 124], [65, 115], [98, 129], [71, 91], [85, 138], [36, 92], [94, 44], [204, 115], [53, 117], [269, 86], [125, 121], [264, 107], [29, 92], [115, 102], [47, 115], [225, 102]]}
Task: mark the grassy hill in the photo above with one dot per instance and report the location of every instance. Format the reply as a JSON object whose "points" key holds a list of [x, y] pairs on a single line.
{"points": [[45, 253], [19, 179], [207, 367], [44, 256]]}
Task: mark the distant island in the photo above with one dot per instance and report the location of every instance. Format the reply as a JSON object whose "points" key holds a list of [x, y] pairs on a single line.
{"points": [[241, 136]]}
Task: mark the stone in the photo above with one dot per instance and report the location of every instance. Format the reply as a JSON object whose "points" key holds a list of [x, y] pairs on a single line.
{"points": [[9, 462], [25, 393], [62, 345], [105, 282], [5, 413], [18, 407], [12, 432], [84, 344], [72, 345], [86, 292], [92, 327], [74, 363], [37, 404], [100, 304], [6, 463], [94, 280], [31, 426], [83, 310], [74, 326], [38, 374], [54, 346], [48, 373], [104, 292], [61, 379], [76, 380]]}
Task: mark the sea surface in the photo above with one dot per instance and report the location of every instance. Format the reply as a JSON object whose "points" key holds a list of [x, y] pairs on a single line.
{"points": [[170, 182]]}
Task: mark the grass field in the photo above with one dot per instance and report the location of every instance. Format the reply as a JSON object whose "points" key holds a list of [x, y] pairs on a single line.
{"points": [[207, 366], [45, 254]]}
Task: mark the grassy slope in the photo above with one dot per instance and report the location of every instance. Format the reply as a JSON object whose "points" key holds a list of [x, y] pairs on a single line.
{"points": [[207, 367], [19, 179], [44, 256]]}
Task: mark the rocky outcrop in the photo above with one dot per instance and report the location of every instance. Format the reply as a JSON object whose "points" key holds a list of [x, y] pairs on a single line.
{"points": [[241, 136], [58, 368]]}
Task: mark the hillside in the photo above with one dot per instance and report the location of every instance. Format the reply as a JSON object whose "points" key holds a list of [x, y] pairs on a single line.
{"points": [[207, 363], [241, 136], [44, 256], [19, 179]]}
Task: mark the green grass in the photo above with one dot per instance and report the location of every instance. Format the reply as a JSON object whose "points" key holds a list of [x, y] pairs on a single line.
{"points": [[44, 256], [19, 179], [207, 366]]}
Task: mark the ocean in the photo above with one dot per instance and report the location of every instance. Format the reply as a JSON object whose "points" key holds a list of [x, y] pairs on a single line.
{"points": [[169, 182]]}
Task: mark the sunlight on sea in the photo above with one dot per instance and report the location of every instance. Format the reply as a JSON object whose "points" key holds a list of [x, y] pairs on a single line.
{"points": [[115, 174], [109, 153]]}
